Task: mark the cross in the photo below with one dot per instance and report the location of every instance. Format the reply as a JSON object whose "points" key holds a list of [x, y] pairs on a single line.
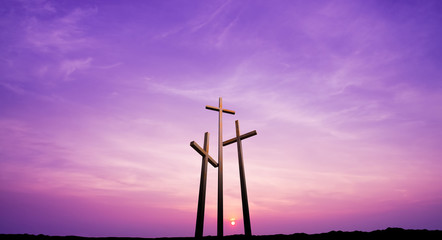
{"points": [[202, 194], [245, 201], [220, 164]]}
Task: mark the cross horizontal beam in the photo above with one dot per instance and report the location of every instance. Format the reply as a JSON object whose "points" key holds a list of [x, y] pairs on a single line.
{"points": [[217, 109], [244, 136], [201, 151]]}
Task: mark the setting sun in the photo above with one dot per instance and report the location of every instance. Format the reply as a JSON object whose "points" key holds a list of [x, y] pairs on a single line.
{"points": [[232, 222]]}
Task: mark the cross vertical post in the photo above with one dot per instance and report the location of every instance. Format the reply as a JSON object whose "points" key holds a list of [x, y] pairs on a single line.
{"points": [[220, 214], [245, 201], [203, 180], [220, 217]]}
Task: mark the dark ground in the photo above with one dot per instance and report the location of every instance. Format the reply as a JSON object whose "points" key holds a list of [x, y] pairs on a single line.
{"points": [[389, 233]]}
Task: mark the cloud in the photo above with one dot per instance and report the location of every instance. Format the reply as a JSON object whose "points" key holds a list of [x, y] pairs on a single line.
{"points": [[59, 34], [13, 88], [38, 6], [109, 66], [68, 67], [207, 18], [210, 25], [225, 32]]}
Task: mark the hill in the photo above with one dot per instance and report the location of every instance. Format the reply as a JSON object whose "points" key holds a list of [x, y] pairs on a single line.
{"points": [[389, 233]]}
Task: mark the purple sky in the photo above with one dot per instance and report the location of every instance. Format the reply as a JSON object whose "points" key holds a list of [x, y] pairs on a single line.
{"points": [[99, 101]]}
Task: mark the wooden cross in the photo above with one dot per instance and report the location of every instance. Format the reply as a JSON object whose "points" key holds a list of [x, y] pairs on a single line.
{"points": [[202, 194], [245, 201], [220, 164]]}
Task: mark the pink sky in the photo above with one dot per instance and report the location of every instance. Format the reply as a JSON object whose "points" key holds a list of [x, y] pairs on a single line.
{"points": [[99, 101]]}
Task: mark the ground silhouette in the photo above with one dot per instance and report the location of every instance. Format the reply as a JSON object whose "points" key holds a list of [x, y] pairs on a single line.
{"points": [[389, 233]]}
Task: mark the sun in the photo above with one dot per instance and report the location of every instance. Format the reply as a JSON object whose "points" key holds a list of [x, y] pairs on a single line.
{"points": [[232, 222]]}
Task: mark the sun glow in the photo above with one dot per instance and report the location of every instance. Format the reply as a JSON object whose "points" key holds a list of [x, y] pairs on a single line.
{"points": [[232, 222]]}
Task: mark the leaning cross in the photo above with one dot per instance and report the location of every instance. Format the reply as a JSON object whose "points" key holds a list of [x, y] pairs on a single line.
{"points": [[202, 194], [220, 163], [245, 201]]}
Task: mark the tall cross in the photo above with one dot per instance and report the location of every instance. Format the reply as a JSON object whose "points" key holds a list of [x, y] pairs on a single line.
{"points": [[220, 164], [245, 201], [202, 194]]}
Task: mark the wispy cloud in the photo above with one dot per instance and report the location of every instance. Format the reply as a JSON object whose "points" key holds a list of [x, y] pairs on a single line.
{"points": [[38, 6], [109, 66], [208, 17], [58, 33], [67, 67]]}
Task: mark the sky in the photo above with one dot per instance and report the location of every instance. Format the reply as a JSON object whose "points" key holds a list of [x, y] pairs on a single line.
{"points": [[99, 101]]}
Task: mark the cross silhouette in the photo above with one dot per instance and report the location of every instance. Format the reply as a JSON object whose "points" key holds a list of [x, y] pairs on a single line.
{"points": [[245, 201], [220, 164], [203, 180]]}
